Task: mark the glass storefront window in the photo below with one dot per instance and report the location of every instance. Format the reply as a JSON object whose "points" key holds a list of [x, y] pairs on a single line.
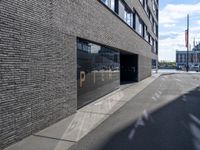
{"points": [[97, 71]]}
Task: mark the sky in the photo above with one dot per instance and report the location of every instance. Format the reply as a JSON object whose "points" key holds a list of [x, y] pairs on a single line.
{"points": [[172, 26]]}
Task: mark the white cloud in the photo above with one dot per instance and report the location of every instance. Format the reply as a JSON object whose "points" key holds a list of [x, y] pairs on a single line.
{"points": [[172, 22], [172, 13], [169, 45], [198, 22], [167, 25], [195, 29]]}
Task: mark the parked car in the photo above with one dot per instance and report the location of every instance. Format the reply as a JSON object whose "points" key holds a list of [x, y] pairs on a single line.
{"points": [[178, 67], [196, 68]]}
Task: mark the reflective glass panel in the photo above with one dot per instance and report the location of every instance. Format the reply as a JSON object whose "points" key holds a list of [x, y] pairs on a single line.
{"points": [[97, 71]]}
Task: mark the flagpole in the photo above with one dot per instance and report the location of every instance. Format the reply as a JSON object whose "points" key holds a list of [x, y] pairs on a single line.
{"points": [[187, 67]]}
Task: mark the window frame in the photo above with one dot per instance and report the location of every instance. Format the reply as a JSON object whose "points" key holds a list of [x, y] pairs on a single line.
{"points": [[132, 22]]}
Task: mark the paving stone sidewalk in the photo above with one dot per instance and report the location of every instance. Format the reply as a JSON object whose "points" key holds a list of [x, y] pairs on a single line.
{"points": [[69, 131]]}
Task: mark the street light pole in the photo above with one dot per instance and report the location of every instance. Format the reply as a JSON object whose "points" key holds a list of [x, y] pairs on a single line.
{"points": [[187, 67]]}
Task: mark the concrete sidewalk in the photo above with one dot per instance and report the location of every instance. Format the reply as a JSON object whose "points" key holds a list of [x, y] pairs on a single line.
{"points": [[65, 133]]}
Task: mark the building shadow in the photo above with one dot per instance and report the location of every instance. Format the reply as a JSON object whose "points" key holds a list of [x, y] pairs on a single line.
{"points": [[176, 126]]}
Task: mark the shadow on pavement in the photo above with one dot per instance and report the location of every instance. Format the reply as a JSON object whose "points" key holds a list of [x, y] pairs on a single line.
{"points": [[176, 126]]}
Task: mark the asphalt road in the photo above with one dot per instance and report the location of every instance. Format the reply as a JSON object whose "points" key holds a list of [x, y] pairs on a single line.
{"points": [[164, 116]]}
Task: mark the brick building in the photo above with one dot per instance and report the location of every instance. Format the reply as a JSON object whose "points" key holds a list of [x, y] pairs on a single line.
{"points": [[193, 57], [58, 55]]}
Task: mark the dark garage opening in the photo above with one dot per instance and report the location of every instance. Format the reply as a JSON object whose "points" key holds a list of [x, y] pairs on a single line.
{"points": [[128, 68]]}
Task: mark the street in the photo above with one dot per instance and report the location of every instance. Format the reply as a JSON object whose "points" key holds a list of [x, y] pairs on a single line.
{"points": [[164, 116]]}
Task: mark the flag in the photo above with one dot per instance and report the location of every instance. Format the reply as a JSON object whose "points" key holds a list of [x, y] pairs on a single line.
{"points": [[186, 38]]}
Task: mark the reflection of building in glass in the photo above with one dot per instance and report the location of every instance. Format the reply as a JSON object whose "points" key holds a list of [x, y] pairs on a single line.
{"points": [[193, 57], [100, 66]]}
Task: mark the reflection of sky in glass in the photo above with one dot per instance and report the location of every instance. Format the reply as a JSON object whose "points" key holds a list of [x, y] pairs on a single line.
{"points": [[105, 1], [100, 65], [95, 48], [121, 9], [113, 5]]}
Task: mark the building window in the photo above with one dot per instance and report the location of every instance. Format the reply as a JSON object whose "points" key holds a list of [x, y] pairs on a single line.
{"points": [[153, 50], [142, 2], [139, 27], [154, 47], [143, 29], [157, 13], [184, 58], [157, 30], [145, 5], [154, 7], [126, 13], [145, 33], [137, 23], [96, 69], [105, 2], [110, 3], [128, 18], [151, 40], [121, 9], [154, 27], [148, 12], [151, 18]]}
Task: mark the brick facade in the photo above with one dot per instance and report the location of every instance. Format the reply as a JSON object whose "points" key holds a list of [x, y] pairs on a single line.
{"points": [[38, 58]]}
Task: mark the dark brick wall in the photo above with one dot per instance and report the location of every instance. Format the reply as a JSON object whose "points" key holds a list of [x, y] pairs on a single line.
{"points": [[37, 75], [144, 69], [89, 19], [93, 21], [38, 58]]}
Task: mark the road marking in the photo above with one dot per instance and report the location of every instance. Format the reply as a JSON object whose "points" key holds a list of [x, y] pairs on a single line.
{"points": [[184, 98], [178, 80], [155, 99], [145, 114], [99, 103], [81, 126], [157, 95], [194, 118], [139, 122], [195, 131], [179, 84], [160, 92], [163, 79], [132, 133], [195, 84]]}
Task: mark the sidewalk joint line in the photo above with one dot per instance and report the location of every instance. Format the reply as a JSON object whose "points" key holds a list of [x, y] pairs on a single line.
{"points": [[95, 112], [54, 138]]}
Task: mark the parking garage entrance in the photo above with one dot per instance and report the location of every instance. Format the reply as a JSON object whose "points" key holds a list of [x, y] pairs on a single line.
{"points": [[128, 68], [101, 69]]}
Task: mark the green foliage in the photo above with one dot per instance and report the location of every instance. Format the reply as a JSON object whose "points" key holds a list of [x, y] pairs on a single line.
{"points": [[167, 64]]}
